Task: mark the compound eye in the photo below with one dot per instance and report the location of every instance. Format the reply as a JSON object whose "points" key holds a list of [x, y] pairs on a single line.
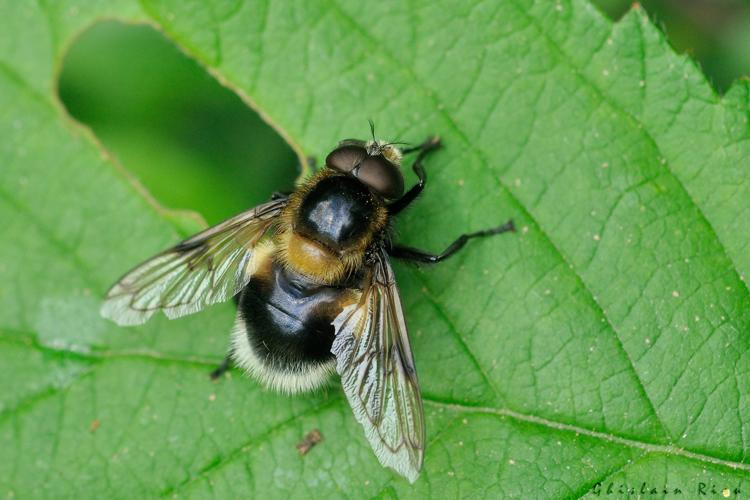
{"points": [[345, 158], [381, 176]]}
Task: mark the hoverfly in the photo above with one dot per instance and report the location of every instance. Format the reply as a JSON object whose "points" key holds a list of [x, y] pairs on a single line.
{"points": [[311, 275]]}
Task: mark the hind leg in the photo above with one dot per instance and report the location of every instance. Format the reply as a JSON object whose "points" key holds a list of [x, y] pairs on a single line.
{"points": [[222, 368]]}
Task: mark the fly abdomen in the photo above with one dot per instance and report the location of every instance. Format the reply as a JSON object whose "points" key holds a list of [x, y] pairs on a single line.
{"points": [[284, 332]]}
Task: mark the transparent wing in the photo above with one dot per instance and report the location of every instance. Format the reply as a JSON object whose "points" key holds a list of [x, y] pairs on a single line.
{"points": [[210, 267], [377, 371]]}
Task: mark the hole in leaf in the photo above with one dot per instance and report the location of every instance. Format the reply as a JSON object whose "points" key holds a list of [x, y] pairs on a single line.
{"points": [[191, 142]]}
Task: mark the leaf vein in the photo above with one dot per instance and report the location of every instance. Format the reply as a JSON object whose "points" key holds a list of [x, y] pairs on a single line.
{"points": [[669, 449]]}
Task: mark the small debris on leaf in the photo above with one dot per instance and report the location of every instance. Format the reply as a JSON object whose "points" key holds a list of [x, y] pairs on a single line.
{"points": [[311, 439]]}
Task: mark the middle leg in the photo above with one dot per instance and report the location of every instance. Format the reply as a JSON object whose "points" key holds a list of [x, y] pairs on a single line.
{"points": [[419, 256]]}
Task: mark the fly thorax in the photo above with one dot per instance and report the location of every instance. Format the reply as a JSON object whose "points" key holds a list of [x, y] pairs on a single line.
{"points": [[338, 212]]}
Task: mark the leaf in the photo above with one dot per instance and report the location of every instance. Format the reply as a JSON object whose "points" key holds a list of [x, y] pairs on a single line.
{"points": [[606, 342]]}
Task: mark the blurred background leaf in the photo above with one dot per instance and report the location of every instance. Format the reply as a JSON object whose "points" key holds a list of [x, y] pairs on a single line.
{"points": [[716, 33], [189, 140]]}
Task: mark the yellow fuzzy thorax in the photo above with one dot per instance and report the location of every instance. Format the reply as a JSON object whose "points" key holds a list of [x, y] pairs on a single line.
{"points": [[312, 258]]}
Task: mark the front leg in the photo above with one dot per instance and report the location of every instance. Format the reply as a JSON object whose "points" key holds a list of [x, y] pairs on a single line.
{"points": [[280, 195], [431, 144]]}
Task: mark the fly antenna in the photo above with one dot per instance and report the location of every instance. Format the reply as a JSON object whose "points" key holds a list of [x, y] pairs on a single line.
{"points": [[372, 129]]}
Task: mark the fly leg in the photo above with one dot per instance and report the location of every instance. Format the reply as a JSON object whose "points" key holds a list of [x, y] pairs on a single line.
{"points": [[431, 144], [280, 195], [413, 255], [226, 363], [220, 370]]}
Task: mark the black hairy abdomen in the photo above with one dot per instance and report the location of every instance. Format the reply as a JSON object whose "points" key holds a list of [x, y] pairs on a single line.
{"points": [[289, 318]]}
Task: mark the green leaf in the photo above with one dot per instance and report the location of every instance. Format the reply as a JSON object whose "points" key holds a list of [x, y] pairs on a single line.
{"points": [[606, 342]]}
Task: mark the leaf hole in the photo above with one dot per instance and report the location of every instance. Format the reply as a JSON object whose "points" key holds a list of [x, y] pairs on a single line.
{"points": [[190, 141]]}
